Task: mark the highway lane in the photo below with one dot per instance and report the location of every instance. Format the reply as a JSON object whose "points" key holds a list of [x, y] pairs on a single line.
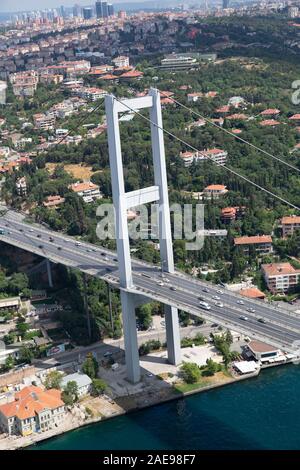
{"points": [[281, 326]]}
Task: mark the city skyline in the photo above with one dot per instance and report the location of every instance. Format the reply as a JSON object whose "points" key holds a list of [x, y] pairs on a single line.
{"points": [[18, 5]]}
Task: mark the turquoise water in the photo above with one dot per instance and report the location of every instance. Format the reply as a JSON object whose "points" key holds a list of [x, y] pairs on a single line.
{"points": [[260, 413]]}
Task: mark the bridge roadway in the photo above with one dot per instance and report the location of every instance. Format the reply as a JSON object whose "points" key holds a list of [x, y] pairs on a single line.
{"points": [[280, 327]]}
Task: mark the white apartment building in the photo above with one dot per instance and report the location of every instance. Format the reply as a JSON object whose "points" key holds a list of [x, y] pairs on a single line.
{"points": [[88, 191], [280, 277], [121, 61], [21, 186]]}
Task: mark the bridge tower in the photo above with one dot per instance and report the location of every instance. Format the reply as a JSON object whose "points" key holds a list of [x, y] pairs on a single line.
{"points": [[122, 201]]}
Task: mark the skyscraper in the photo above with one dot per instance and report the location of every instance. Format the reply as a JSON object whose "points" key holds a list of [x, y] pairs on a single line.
{"points": [[110, 9], [87, 13], [104, 9], [99, 10], [225, 4], [76, 10]]}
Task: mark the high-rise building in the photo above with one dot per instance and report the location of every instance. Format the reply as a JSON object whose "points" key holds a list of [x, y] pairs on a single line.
{"points": [[122, 14], [110, 9], [87, 13], [99, 9], [76, 10], [62, 11], [105, 9], [225, 4]]}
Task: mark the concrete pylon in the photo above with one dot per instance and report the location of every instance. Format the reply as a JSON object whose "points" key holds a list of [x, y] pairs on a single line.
{"points": [[49, 273], [125, 200]]}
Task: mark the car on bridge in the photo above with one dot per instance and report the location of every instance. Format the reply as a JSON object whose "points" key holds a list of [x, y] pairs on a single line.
{"points": [[261, 320], [204, 305], [242, 317], [219, 304], [240, 302]]}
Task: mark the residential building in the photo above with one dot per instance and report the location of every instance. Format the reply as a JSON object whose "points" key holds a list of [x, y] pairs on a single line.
{"points": [[269, 123], [262, 244], [229, 214], [218, 156], [280, 277], [290, 224], [44, 121], [11, 303], [215, 191], [3, 88], [90, 93], [53, 201], [88, 191], [270, 112], [179, 62], [33, 410], [83, 382], [121, 61], [24, 83], [21, 186]]}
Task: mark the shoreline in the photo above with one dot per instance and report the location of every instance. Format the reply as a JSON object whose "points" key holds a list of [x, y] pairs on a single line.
{"points": [[174, 395]]}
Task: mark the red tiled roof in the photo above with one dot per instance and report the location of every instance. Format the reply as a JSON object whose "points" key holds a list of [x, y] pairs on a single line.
{"points": [[252, 293], [278, 269], [295, 117], [269, 122], [31, 400], [132, 74], [253, 240], [215, 187], [290, 220], [270, 112]]}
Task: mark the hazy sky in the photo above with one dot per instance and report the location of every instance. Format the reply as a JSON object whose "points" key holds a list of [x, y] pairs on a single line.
{"points": [[17, 5]]}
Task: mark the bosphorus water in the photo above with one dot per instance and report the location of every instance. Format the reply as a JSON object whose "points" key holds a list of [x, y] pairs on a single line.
{"points": [[259, 413]]}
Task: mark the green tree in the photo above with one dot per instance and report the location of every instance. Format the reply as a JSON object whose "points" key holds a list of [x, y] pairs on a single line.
{"points": [[190, 372], [53, 380], [90, 366], [99, 387]]}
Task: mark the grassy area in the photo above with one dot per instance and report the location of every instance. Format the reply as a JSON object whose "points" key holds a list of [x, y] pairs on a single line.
{"points": [[218, 378]]}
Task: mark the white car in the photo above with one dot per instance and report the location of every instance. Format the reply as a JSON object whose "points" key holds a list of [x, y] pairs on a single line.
{"points": [[243, 318], [204, 305], [219, 304], [240, 302], [160, 283], [216, 297], [251, 310]]}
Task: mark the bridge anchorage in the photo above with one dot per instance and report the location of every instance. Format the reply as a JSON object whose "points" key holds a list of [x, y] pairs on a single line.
{"points": [[122, 201]]}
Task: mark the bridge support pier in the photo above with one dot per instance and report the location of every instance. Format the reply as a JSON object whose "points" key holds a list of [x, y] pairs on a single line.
{"points": [[130, 336], [49, 273], [173, 335]]}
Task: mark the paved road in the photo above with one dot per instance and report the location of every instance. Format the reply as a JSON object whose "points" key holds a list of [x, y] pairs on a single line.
{"points": [[115, 346], [280, 327]]}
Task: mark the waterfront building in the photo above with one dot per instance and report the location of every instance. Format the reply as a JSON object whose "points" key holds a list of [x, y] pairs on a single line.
{"points": [[83, 382], [33, 410]]}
